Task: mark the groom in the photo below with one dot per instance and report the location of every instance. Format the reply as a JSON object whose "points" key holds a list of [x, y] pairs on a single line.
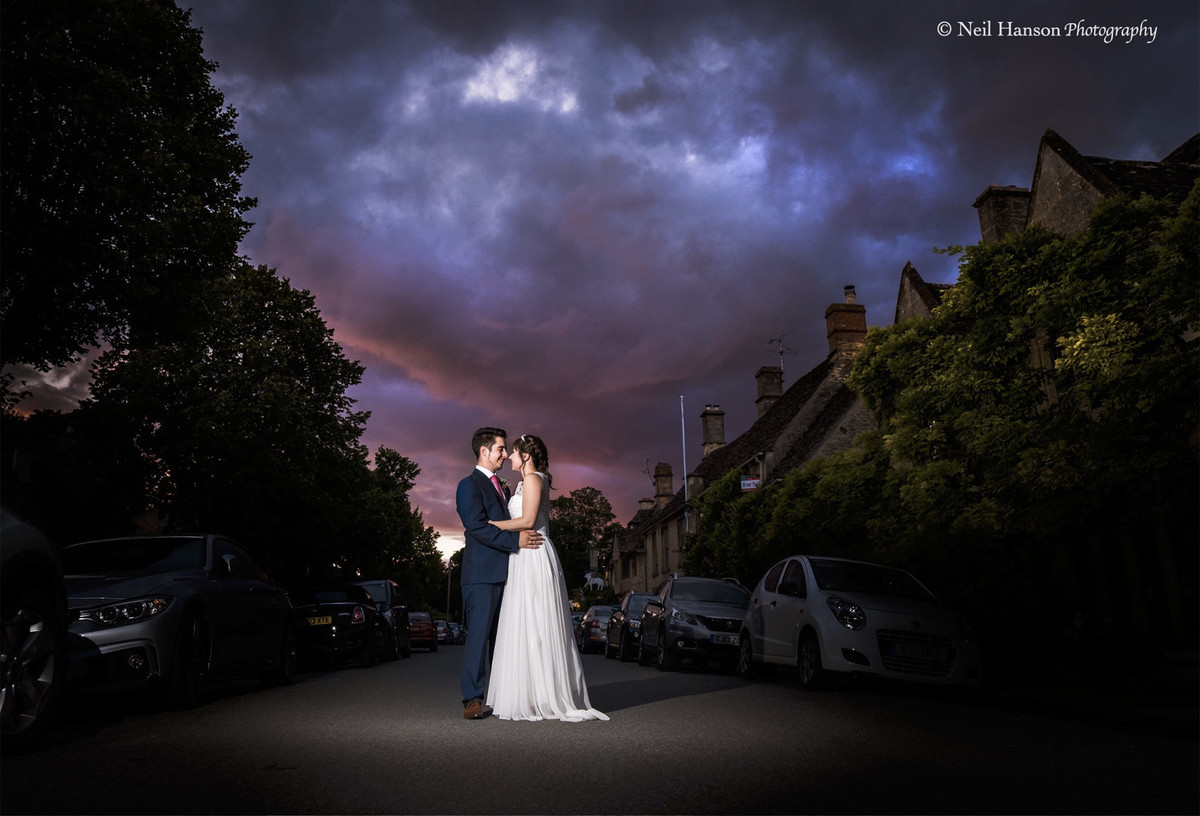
{"points": [[485, 561]]}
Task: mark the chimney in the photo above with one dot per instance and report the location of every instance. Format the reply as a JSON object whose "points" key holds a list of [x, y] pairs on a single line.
{"points": [[846, 324], [645, 505], [1002, 210], [713, 420], [770, 387], [663, 490]]}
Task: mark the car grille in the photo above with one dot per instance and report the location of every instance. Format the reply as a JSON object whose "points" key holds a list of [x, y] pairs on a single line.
{"points": [[721, 624], [915, 653]]}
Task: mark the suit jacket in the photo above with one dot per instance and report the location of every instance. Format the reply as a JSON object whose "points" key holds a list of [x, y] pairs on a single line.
{"points": [[487, 548]]}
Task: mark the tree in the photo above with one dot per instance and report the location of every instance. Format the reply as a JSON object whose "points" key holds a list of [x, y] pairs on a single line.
{"points": [[390, 537], [246, 422], [120, 172], [578, 522]]}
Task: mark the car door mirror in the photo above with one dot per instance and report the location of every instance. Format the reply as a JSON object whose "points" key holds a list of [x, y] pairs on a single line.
{"points": [[790, 589], [226, 568]]}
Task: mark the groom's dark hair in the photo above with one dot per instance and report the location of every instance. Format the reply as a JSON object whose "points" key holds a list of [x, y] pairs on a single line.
{"points": [[484, 438]]}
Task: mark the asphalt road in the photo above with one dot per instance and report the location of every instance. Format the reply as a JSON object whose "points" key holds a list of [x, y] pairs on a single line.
{"points": [[391, 740]]}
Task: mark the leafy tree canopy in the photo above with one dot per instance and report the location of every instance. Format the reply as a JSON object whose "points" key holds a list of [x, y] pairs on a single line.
{"points": [[120, 171]]}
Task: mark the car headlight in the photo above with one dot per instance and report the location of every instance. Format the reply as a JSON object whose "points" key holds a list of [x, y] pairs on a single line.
{"points": [[679, 614], [119, 614], [848, 614], [634, 625]]}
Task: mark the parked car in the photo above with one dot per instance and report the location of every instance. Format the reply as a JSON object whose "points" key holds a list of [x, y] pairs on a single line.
{"points": [[697, 619], [173, 612], [624, 633], [422, 631], [832, 616], [458, 634], [444, 635], [335, 622], [390, 604], [592, 631], [33, 626]]}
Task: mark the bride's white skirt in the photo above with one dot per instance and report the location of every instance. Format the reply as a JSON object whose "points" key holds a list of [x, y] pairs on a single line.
{"points": [[536, 671]]}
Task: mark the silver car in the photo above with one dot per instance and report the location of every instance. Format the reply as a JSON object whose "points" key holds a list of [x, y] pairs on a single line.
{"points": [[829, 616], [172, 612], [696, 619]]}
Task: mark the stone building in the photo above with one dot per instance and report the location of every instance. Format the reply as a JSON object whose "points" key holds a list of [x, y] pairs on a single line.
{"points": [[819, 414], [816, 416]]}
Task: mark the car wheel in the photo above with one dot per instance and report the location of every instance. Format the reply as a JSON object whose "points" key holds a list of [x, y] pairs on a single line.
{"points": [[406, 650], [745, 662], [812, 675], [624, 651], [643, 655], [666, 661], [433, 646], [610, 651], [34, 666], [185, 685]]}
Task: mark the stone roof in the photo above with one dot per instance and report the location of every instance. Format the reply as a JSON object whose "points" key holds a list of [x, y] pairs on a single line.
{"points": [[763, 434], [1171, 179]]}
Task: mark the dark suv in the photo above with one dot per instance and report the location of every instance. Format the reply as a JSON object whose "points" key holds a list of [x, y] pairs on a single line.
{"points": [[397, 641]]}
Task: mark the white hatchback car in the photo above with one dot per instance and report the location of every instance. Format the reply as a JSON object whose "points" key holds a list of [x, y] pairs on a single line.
{"points": [[827, 615]]}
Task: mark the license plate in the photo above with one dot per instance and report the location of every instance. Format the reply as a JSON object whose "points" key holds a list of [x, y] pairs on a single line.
{"points": [[323, 620], [930, 653], [725, 640]]}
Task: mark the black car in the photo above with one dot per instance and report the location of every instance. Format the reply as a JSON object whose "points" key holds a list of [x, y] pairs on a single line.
{"points": [[32, 631], [336, 622], [697, 619], [397, 642], [625, 626], [171, 613]]}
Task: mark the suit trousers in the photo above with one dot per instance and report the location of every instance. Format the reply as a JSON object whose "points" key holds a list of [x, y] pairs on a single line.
{"points": [[481, 605]]}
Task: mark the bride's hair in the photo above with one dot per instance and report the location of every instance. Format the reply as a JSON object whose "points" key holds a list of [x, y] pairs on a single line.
{"points": [[535, 449]]}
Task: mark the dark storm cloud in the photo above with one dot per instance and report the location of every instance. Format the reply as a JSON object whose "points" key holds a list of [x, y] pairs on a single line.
{"points": [[564, 216]]}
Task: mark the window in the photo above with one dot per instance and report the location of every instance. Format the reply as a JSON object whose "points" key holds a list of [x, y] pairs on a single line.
{"points": [[772, 579], [795, 574]]}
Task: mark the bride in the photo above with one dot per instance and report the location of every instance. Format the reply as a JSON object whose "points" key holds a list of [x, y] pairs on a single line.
{"points": [[536, 672]]}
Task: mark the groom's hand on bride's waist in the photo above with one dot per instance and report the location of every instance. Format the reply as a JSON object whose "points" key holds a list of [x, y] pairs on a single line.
{"points": [[530, 539]]}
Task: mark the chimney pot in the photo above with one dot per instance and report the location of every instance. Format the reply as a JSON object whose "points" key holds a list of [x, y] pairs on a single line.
{"points": [[770, 387], [713, 428]]}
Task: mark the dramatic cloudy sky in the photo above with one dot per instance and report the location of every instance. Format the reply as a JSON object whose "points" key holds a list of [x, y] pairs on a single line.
{"points": [[563, 217]]}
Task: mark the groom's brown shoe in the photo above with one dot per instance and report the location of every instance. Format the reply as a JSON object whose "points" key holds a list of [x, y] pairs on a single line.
{"points": [[473, 710]]}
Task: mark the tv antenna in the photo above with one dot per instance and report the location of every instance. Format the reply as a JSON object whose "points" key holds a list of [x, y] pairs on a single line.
{"points": [[780, 348], [646, 470]]}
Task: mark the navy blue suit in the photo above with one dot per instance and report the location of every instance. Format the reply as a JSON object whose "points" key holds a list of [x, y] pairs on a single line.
{"points": [[484, 571]]}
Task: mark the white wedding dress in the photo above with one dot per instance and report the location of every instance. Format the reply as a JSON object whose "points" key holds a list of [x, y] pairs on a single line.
{"points": [[536, 672]]}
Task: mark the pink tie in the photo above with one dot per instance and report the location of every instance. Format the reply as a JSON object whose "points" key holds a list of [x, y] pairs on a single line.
{"points": [[499, 489]]}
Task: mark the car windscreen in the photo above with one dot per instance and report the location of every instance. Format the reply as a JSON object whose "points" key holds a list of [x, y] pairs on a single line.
{"points": [[637, 604], [134, 556], [377, 591], [709, 592], [871, 579]]}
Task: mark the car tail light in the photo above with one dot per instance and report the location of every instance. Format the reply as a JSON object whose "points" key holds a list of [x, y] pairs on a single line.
{"points": [[358, 616]]}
